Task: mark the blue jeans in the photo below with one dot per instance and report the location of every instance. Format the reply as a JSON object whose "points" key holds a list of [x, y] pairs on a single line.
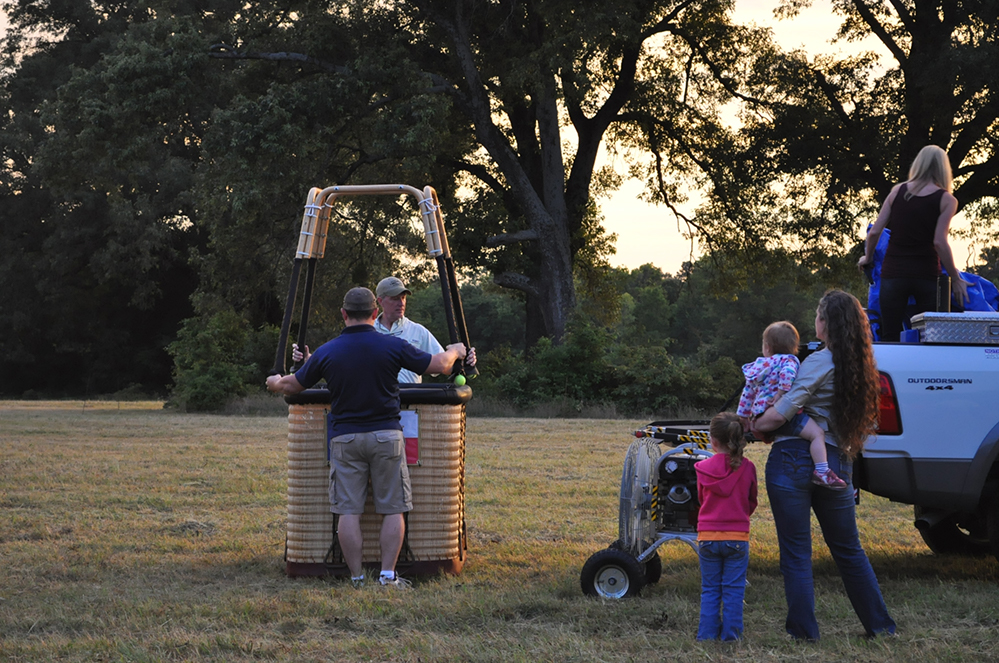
{"points": [[793, 426], [723, 586], [792, 495]]}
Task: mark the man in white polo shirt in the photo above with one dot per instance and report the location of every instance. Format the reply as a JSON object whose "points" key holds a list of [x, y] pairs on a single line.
{"points": [[391, 294]]}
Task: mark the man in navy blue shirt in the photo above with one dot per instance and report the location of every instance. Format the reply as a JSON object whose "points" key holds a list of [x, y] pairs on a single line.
{"points": [[361, 368]]}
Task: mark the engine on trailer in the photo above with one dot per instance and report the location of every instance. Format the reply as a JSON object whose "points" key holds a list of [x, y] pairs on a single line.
{"points": [[677, 505]]}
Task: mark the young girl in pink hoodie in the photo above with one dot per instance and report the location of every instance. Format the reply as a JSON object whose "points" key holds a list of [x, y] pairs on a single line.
{"points": [[726, 489]]}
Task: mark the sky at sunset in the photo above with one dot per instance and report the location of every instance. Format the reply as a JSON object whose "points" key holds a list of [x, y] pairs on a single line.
{"points": [[650, 234]]}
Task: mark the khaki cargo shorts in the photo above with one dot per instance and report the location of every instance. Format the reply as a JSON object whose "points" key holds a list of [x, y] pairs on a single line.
{"points": [[380, 455]]}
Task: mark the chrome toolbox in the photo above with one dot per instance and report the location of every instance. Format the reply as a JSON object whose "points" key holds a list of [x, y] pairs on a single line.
{"points": [[968, 328]]}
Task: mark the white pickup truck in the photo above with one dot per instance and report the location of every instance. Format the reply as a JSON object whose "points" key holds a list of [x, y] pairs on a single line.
{"points": [[937, 446]]}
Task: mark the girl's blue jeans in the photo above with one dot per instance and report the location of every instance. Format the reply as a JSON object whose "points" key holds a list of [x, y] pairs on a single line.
{"points": [[792, 496], [723, 586]]}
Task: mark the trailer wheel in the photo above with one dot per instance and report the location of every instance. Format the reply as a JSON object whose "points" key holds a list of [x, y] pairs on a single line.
{"points": [[653, 565], [612, 574], [653, 569]]}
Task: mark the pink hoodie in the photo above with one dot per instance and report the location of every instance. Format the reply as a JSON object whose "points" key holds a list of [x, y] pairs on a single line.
{"points": [[727, 496]]}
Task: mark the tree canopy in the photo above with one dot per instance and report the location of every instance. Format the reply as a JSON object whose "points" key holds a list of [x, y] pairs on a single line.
{"points": [[156, 157], [823, 139], [515, 101]]}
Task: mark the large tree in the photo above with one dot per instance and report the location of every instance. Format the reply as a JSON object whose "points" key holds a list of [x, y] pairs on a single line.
{"points": [[128, 151], [137, 172], [533, 90], [94, 271]]}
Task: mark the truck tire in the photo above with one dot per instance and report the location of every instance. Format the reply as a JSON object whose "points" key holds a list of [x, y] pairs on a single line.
{"points": [[992, 520], [956, 534]]}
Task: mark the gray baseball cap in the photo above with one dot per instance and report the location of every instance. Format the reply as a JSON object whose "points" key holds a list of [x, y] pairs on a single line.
{"points": [[359, 299], [392, 286]]}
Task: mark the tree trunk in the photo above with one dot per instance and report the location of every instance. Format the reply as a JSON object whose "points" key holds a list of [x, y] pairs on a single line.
{"points": [[554, 283], [542, 199]]}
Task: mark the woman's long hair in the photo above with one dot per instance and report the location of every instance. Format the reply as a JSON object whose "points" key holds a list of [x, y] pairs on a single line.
{"points": [[856, 384]]}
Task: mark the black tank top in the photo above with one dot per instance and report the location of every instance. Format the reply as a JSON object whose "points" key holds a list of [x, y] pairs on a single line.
{"points": [[913, 222]]}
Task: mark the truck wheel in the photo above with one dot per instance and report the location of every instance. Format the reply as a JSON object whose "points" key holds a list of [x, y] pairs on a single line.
{"points": [[612, 574], [958, 534], [992, 523]]}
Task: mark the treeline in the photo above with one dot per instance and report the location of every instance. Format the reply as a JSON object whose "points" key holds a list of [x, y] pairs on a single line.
{"points": [[641, 342]]}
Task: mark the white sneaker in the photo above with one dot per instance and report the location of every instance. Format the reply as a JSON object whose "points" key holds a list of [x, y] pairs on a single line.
{"points": [[397, 582]]}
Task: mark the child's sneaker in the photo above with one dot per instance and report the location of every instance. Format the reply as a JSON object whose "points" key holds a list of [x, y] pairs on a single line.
{"points": [[357, 583], [828, 479], [397, 582]]}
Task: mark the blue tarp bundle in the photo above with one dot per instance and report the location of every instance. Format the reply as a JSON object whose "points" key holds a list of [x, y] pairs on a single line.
{"points": [[982, 293]]}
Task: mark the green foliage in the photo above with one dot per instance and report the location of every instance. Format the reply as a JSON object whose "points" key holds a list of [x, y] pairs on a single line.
{"points": [[988, 266], [650, 380], [575, 370], [673, 344], [647, 316], [217, 358], [677, 341], [593, 367], [96, 158], [494, 316]]}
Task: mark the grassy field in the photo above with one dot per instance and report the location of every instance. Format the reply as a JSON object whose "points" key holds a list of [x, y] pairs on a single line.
{"points": [[128, 533]]}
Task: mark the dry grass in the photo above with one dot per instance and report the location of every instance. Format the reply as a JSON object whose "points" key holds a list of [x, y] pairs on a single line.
{"points": [[136, 534]]}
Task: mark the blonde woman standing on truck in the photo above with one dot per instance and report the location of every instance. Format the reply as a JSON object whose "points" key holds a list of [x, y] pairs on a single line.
{"points": [[918, 213]]}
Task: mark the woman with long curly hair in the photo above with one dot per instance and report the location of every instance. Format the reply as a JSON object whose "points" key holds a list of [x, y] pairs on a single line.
{"points": [[838, 387]]}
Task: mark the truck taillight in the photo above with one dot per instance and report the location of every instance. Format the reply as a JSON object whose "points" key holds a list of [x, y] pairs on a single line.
{"points": [[889, 422]]}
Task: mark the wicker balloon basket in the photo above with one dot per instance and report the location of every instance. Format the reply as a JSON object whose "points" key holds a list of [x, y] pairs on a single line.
{"points": [[435, 528]]}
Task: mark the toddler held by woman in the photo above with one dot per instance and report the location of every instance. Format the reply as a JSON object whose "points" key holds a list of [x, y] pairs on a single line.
{"points": [[770, 377]]}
